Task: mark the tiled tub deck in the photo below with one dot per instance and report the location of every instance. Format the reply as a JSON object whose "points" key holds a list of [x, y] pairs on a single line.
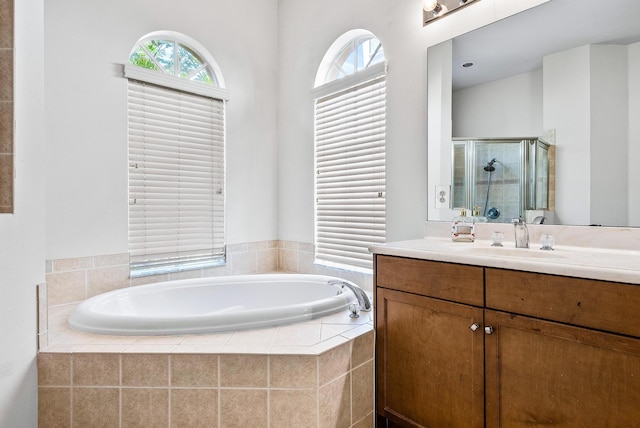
{"points": [[313, 374]]}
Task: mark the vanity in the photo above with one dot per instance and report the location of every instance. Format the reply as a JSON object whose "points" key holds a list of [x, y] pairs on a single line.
{"points": [[469, 335]]}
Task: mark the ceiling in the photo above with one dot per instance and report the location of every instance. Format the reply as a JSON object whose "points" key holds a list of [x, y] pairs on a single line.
{"points": [[517, 44]]}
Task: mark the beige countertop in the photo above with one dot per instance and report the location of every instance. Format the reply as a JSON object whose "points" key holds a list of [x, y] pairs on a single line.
{"points": [[582, 262]]}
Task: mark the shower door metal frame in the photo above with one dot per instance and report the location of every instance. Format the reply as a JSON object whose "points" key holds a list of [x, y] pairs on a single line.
{"points": [[528, 182]]}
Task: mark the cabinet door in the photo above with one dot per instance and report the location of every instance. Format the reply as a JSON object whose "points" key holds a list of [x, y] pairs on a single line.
{"points": [[429, 363], [542, 373]]}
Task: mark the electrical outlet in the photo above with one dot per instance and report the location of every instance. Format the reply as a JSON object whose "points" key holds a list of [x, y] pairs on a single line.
{"points": [[442, 196]]}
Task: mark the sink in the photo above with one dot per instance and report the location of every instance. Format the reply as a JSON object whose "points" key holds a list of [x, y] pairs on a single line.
{"points": [[515, 252]]}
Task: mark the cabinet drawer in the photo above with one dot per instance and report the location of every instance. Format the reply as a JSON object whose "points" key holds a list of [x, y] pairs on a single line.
{"points": [[459, 283], [603, 305]]}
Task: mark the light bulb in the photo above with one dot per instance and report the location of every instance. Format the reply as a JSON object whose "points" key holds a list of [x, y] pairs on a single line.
{"points": [[429, 5]]}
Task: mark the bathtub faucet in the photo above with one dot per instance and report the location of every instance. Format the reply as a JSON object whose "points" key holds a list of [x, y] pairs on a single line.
{"points": [[363, 299]]}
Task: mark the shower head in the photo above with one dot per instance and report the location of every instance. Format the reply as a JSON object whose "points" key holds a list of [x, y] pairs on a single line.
{"points": [[490, 167]]}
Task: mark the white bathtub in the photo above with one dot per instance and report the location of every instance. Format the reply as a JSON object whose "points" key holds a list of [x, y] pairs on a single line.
{"points": [[208, 305]]}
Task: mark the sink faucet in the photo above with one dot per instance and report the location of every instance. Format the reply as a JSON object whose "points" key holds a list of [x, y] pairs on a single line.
{"points": [[522, 233], [363, 299]]}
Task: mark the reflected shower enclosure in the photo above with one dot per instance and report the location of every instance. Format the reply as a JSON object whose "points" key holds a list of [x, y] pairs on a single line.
{"points": [[500, 178]]}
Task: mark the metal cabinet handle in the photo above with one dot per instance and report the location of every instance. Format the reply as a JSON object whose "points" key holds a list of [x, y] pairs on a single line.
{"points": [[474, 326], [488, 330]]}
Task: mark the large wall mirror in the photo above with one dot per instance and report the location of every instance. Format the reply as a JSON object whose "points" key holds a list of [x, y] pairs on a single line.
{"points": [[567, 72]]}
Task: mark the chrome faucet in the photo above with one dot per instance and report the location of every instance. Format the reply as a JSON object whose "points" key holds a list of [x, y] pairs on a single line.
{"points": [[521, 232], [363, 299]]}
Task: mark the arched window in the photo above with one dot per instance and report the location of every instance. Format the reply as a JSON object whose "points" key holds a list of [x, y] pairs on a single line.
{"points": [[359, 53], [350, 139], [176, 122]]}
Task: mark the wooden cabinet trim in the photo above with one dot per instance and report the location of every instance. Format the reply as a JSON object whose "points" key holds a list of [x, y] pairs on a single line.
{"points": [[448, 281], [602, 305]]}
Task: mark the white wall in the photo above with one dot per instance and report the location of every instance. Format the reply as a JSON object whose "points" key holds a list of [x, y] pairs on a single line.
{"points": [[269, 52], [86, 173], [609, 135], [22, 233], [307, 30], [567, 109], [439, 81], [585, 101], [510, 107]]}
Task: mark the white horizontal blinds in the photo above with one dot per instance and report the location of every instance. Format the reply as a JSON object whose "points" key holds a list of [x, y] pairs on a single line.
{"points": [[176, 179], [350, 173]]}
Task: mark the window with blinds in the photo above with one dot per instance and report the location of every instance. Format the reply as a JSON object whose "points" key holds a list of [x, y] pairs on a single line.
{"points": [[176, 179], [350, 129]]}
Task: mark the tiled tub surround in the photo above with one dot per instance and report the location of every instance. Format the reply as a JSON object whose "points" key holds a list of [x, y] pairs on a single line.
{"points": [[313, 374], [76, 279]]}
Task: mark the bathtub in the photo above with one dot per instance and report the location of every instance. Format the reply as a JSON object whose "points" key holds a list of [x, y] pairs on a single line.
{"points": [[209, 305]]}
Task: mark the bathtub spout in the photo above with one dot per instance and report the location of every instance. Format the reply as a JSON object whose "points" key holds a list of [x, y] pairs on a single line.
{"points": [[363, 299]]}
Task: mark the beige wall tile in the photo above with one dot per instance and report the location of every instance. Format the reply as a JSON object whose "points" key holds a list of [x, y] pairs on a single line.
{"points": [[290, 245], [234, 405], [54, 369], [6, 74], [307, 248], [334, 363], [111, 260], [145, 407], [237, 248], [268, 260], [334, 403], [96, 407], [149, 279], [258, 245], [187, 274], [244, 263], [366, 422], [217, 271], [43, 321], [298, 334], [194, 370], [306, 263], [362, 349], [6, 183], [243, 371], [288, 260], [54, 407], [145, 370], [6, 18], [293, 408], [362, 391], [6, 124], [107, 279], [66, 287], [78, 263], [96, 369], [293, 371], [43, 341], [194, 408]]}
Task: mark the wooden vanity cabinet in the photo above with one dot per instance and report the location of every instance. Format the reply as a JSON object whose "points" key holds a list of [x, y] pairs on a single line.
{"points": [[429, 362], [554, 359], [556, 351]]}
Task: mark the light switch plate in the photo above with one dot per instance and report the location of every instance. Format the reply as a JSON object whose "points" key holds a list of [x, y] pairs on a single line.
{"points": [[443, 193]]}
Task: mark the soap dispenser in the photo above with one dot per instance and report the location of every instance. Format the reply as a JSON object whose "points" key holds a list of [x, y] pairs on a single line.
{"points": [[463, 228], [477, 218]]}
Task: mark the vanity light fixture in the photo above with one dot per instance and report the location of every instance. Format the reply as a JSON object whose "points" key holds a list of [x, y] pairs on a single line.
{"points": [[434, 9]]}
